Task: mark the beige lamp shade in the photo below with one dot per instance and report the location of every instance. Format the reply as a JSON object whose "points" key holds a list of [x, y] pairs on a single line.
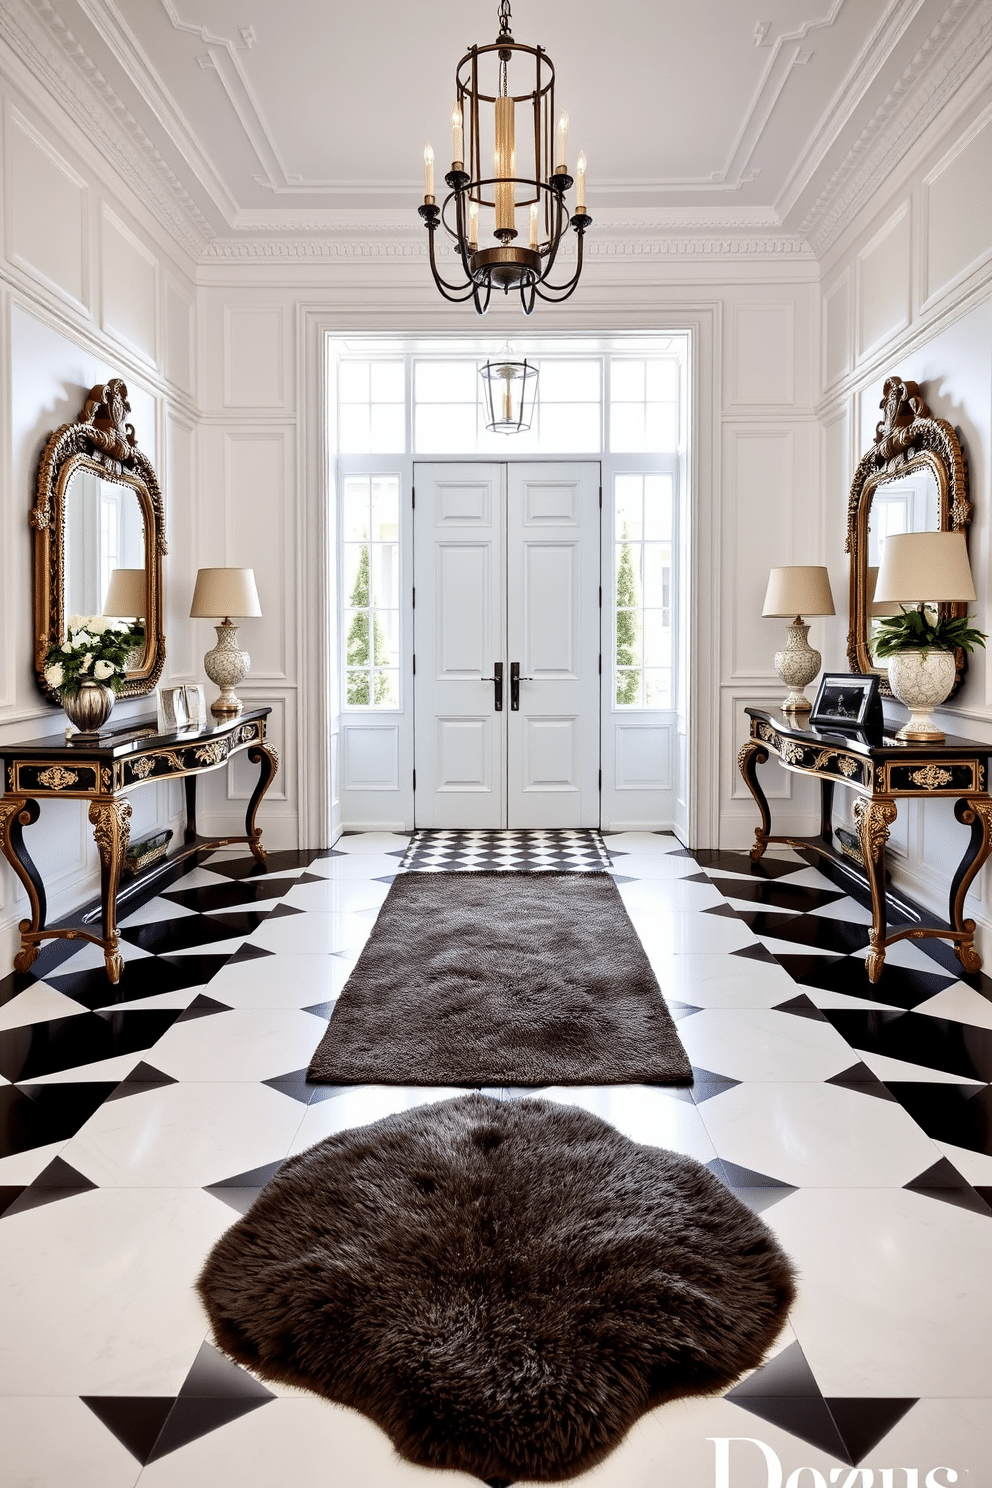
{"points": [[223, 592], [127, 593], [876, 609], [921, 566], [798, 590]]}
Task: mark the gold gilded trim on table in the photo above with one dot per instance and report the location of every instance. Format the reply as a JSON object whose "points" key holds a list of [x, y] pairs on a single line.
{"points": [[57, 778], [212, 753], [816, 758], [931, 777]]}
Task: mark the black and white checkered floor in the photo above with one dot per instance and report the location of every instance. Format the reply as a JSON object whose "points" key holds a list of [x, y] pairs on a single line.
{"points": [[560, 851], [137, 1121]]}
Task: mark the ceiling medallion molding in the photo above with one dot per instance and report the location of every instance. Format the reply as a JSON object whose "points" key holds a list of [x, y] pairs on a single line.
{"points": [[43, 42], [955, 46]]}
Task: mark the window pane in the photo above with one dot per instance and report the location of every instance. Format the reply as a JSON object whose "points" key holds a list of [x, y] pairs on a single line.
{"points": [[567, 382], [355, 578], [629, 502], [570, 426], [355, 508], [628, 688], [657, 560], [386, 688], [658, 688], [661, 426], [443, 382], [385, 508], [357, 689], [662, 380], [353, 429], [627, 427], [657, 639], [385, 575], [356, 624], [658, 506], [353, 382], [448, 428], [386, 382], [626, 381], [387, 429]]}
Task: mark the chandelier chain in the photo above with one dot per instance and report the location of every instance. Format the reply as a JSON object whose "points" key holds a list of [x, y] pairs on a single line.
{"points": [[504, 17]]}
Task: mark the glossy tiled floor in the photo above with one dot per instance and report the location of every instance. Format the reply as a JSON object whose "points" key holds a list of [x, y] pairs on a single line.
{"points": [[135, 1124]]}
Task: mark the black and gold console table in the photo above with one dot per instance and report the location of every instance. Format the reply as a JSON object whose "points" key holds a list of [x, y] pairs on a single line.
{"points": [[882, 774], [104, 775]]}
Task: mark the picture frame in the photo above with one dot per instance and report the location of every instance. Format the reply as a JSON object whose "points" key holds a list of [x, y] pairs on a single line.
{"points": [[196, 705], [172, 710], [848, 701]]}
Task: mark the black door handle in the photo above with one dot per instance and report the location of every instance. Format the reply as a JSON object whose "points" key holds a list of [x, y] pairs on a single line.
{"points": [[515, 681], [496, 678]]}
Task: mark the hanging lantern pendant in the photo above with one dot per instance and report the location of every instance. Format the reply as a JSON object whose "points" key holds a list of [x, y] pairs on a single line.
{"points": [[519, 120]]}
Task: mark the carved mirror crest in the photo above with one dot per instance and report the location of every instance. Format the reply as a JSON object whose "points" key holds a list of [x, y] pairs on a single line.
{"points": [[913, 479], [98, 508]]}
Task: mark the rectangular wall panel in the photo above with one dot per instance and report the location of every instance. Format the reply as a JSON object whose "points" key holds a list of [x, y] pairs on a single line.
{"points": [[256, 520], [884, 282], [761, 482], [551, 754], [838, 356], [463, 750], [462, 615], [644, 756], [958, 198], [46, 211], [129, 288], [551, 613], [371, 756], [254, 356], [178, 338], [762, 357]]}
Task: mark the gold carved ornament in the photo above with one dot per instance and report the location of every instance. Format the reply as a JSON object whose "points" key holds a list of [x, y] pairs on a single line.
{"points": [[931, 777], [212, 753], [144, 767], [57, 778], [873, 820]]}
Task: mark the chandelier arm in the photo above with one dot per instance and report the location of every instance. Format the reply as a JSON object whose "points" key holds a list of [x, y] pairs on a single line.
{"points": [[562, 291], [559, 233], [452, 292]]}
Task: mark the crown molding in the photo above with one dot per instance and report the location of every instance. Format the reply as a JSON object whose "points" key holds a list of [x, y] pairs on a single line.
{"points": [[955, 46], [42, 41]]}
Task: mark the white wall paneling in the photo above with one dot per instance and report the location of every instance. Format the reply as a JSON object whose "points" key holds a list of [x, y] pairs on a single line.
{"points": [[762, 354], [179, 348], [45, 212], [255, 356], [129, 283], [260, 521], [371, 756], [838, 329], [760, 475], [957, 201], [883, 282]]}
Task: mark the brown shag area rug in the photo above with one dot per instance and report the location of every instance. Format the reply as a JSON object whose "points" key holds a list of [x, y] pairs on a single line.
{"points": [[501, 979], [504, 1287]]}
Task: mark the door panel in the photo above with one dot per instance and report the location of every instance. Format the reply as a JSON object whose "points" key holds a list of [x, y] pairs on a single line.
{"points": [[506, 569]]}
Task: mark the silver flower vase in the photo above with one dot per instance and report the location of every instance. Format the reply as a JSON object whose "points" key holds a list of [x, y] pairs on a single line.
{"points": [[88, 709]]}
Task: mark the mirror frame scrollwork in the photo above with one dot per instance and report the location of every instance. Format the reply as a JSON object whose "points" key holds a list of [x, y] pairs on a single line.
{"points": [[102, 442], [907, 439]]}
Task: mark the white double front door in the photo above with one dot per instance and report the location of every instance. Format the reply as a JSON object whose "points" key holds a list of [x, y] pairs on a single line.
{"points": [[507, 644]]}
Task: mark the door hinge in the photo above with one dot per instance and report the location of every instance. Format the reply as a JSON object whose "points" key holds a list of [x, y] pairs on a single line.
{"points": [[413, 495], [601, 780], [414, 596], [415, 665], [600, 596], [415, 779], [601, 498], [600, 663]]}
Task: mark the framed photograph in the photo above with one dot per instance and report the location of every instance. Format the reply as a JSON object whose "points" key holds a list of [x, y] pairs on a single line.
{"points": [[172, 712], [848, 700], [196, 705]]}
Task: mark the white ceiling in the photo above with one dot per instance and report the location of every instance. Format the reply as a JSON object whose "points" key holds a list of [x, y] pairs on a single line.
{"points": [[265, 118]]}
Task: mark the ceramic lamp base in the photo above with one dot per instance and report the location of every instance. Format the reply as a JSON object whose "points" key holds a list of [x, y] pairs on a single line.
{"points": [[922, 680], [797, 665], [227, 666]]}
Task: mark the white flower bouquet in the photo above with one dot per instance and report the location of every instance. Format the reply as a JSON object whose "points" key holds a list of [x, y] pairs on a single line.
{"points": [[96, 648]]}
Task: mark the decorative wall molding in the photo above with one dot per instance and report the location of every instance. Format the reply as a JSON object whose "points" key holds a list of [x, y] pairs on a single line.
{"points": [[952, 50], [41, 40]]}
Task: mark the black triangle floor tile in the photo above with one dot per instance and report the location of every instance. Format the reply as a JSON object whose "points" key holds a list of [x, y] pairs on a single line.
{"points": [[215, 1377], [860, 1078], [807, 1417], [756, 952], [293, 1084], [58, 1044], [35, 1115], [802, 1006], [202, 1006], [57, 1181], [142, 1078], [706, 1084], [9, 1194], [254, 1178], [230, 894], [944, 1182], [146, 976], [863, 1423], [15, 983], [959, 1114], [738, 1177], [760, 1199], [984, 1191], [135, 1420], [787, 1374], [678, 1009], [282, 910], [727, 911], [248, 953], [325, 1009]]}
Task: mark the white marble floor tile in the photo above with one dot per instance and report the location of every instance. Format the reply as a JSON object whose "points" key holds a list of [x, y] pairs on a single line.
{"points": [[961, 1004], [155, 911], [314, 933], [338, 895], [35, 1004], [245, 1044], [880, 1311], [90, 957], [649, 844], [359, 1105], [197, 878], [681, 932], [372, 843], [52, 1440], [760, 1044], [186, 1135], [642, 1112], [847, 910], [100, 1297], [671, 895], [666, 867], [821, 1135], [361, 866], [116, 1069], [905, 953], [724, 980], [825, 997], [792, 947], [976, 1167], [181, 998], [23, 1167], [293, 981]]}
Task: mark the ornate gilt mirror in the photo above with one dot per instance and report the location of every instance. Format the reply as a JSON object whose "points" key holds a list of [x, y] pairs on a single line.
{"points": [[913, 479], [98, 510]]}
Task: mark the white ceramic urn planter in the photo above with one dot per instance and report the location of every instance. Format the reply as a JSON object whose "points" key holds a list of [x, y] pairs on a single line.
{"points": [[922, 680]]}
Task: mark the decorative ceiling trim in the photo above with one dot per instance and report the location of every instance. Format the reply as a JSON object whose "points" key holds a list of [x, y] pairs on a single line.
{"points": [[43, 42], [955, 46], [376, 244]]}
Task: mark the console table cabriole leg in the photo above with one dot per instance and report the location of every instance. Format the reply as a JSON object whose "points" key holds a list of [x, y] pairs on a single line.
{"points": [[267, 760], [873, 820], [189, 787], [111, 823], [976, 813], [749, 757], [17, 812]]}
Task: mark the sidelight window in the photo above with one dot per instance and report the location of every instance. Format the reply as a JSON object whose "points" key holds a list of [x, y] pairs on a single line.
{"points": [[642, 571], [370, 588]]}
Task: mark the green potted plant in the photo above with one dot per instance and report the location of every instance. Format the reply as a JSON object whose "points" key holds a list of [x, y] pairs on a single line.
{"points": [[89, 666], [920, 646]]}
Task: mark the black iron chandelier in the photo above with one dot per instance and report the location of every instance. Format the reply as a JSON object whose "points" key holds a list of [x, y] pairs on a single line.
{"points": [[482, 78]]}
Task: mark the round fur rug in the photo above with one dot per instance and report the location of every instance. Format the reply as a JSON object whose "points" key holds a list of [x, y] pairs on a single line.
{"points": [[503, 1287]]}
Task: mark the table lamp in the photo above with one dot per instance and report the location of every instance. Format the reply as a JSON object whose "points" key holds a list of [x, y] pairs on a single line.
{"points": [[797, 591], [920, 568], [226, 592], [127, 594]]}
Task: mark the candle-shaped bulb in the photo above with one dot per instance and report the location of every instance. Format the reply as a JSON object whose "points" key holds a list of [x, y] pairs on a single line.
{"points": [[533, 224], [428, 171], [561, 144], [580, 183], [473, 226], [457, 136]]}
